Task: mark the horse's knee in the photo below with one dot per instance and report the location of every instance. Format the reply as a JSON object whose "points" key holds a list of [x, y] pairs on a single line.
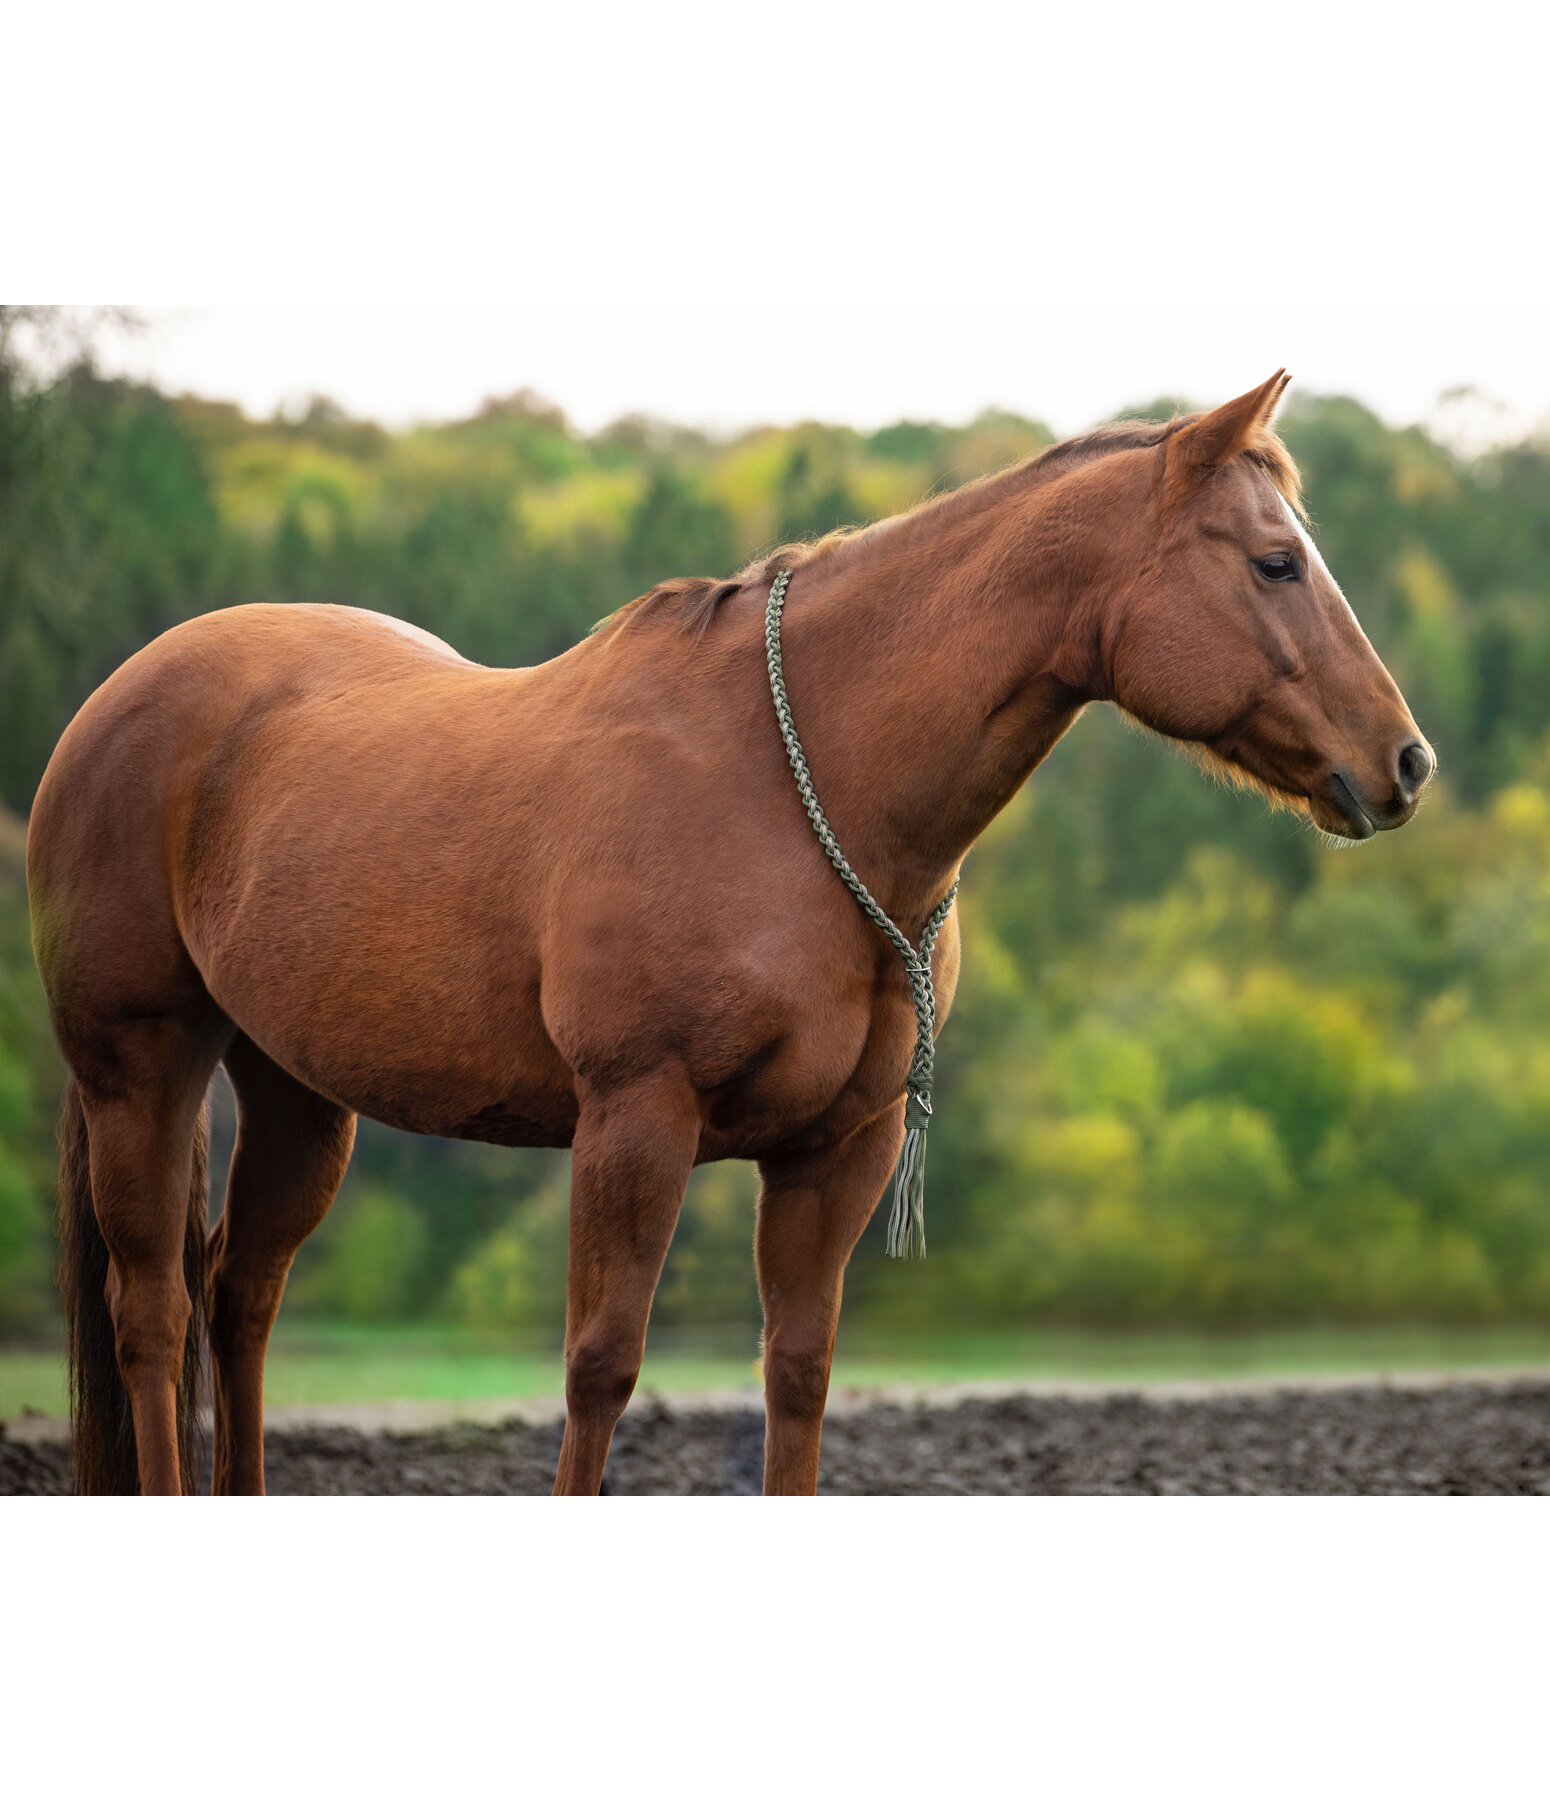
{"points": [[600, 1372], [796, 1380]]}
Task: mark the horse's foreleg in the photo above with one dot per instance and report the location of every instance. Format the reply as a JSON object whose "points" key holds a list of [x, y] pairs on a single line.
{"points": [[630, 1162], [810, 1215], [292, 1150]]}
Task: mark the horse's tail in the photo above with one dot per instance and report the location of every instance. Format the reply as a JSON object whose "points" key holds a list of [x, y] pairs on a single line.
{"points": [[104, 1430]]}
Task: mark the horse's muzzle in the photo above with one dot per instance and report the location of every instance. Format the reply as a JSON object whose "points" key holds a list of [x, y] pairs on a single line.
{"points": [[1364, 811]]}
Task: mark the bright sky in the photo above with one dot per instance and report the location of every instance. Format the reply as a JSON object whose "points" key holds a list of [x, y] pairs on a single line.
{"points": [[848, 362], [831, 209]]}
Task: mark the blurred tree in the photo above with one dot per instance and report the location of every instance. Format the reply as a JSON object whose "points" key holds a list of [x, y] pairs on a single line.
{"points": [[1199, 1070], [675, 529]]}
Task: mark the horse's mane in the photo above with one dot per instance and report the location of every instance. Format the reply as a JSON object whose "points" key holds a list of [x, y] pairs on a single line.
{"points": [[695, 598]]}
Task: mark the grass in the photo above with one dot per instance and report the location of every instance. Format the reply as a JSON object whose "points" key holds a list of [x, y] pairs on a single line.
{"points": [[322, 1365]]}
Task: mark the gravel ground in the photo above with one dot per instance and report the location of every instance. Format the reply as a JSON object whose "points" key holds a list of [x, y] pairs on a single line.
{"points": [[1454, 1438]]}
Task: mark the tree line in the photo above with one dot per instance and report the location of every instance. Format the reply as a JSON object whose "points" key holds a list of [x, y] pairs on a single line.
{"points": [[1201, 1070]]}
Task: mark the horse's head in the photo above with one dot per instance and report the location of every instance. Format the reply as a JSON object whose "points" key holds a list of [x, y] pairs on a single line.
{"points": [[1234, 637]]}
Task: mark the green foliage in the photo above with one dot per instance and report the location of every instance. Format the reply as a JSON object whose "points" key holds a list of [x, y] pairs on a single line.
{"points": [[29, 1076], [21, 1217], [1204, 1115], [515, 1278], [709, 1279], [1201, 1072], [674, 525], [367, 1261]]}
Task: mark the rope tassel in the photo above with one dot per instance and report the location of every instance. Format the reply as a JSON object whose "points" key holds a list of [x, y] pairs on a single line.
{"points": [[907, 1222]]}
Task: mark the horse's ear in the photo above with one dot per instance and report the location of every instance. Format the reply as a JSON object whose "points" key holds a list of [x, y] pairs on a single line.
{"points": [[1217, 437]]}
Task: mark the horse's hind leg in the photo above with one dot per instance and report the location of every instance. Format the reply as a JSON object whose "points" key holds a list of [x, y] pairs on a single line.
{"points": [[810, 1215], [631, 1157], [291, 1153], [143, 1087]]}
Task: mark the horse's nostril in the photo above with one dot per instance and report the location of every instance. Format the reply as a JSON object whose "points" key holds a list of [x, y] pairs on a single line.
{"points": [[1415, 765]]}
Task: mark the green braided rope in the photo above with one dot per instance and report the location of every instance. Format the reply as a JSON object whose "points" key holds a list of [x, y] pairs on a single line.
{"points": [[907, 1223]]}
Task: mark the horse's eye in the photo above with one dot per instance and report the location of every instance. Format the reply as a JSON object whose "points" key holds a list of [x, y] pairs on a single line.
{"points": [[1279, 568]]}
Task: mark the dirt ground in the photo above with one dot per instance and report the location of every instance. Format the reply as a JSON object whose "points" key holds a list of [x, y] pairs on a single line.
{"points": [[1457, 1438]]}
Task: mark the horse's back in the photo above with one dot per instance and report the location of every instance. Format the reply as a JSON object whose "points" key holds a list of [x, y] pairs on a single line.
{"points": [[194, 678]]}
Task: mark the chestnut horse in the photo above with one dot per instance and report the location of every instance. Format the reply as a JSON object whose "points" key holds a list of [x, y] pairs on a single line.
{"points": [[581, 905]]}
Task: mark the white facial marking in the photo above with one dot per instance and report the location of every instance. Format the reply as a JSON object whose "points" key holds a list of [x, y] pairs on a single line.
{"points": [[1311, 550]]}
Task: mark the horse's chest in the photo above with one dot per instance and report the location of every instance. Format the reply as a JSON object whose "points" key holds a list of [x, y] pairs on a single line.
{"points": [[838, 1060]]}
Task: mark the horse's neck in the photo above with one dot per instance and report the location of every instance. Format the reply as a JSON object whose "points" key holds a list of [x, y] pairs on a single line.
{"points": [[931, 667]]}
